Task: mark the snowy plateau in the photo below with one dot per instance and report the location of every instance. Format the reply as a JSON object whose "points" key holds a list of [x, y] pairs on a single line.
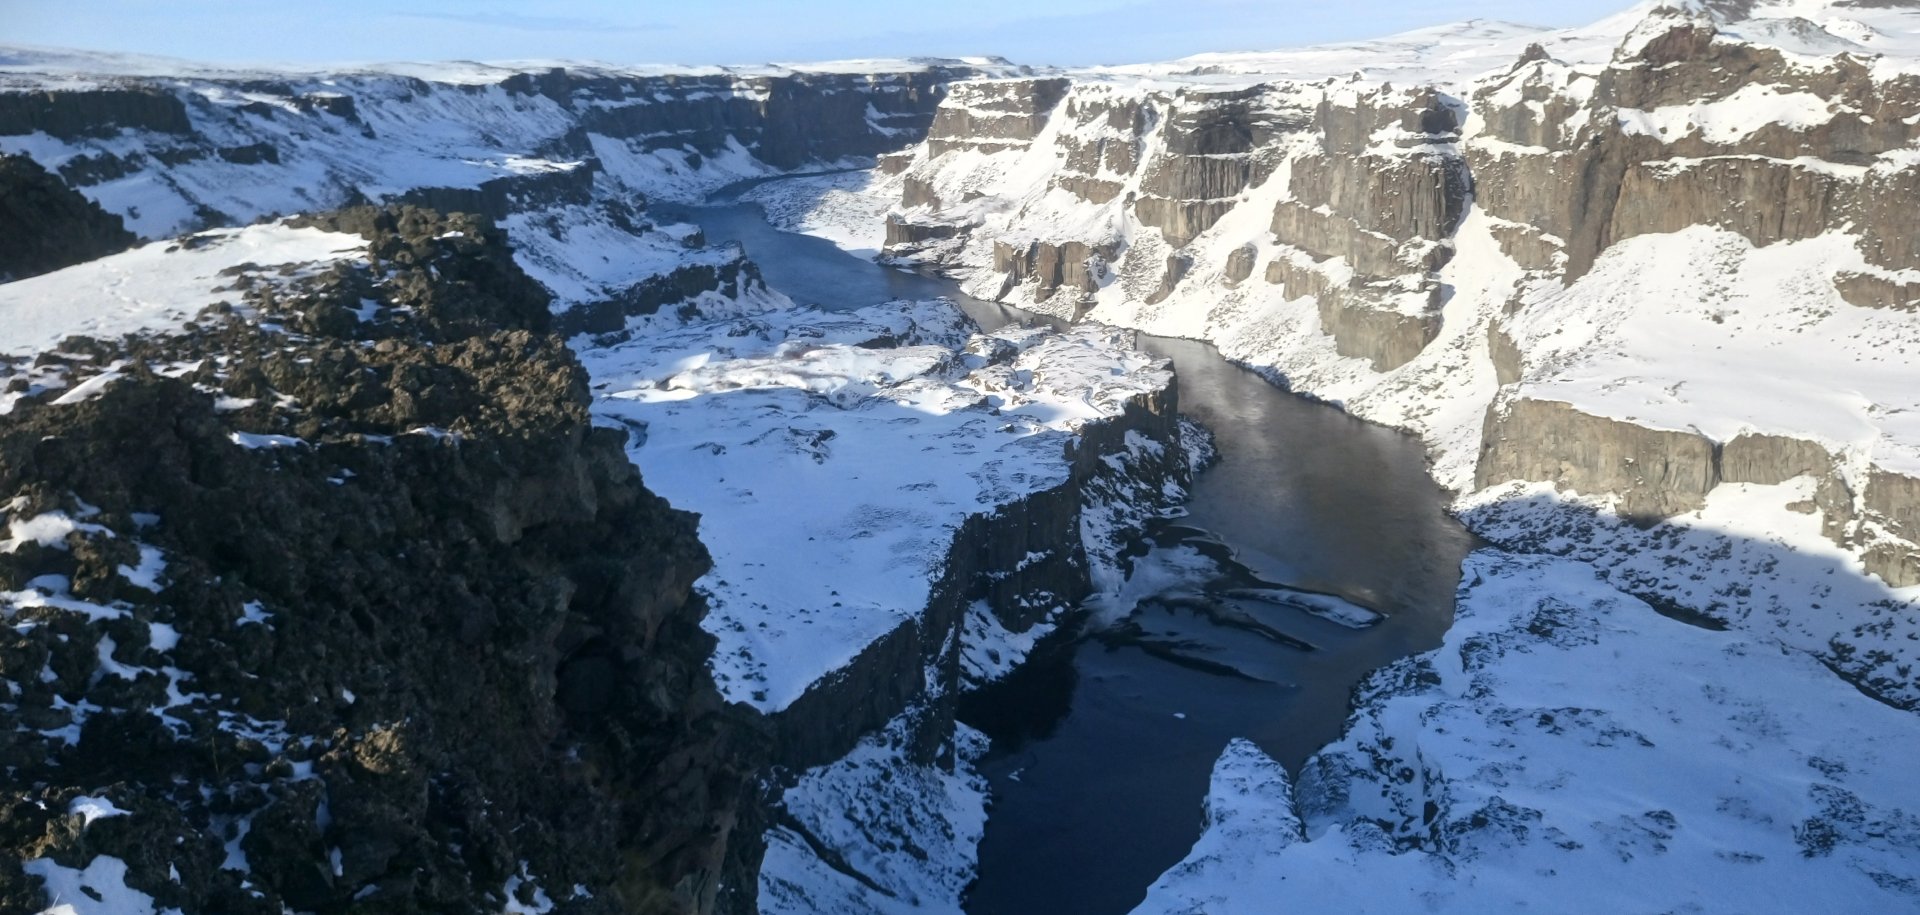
{"points": [[356, 429]]}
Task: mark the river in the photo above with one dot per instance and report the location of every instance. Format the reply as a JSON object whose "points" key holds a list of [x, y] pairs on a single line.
{"points": [[1104, 743]]}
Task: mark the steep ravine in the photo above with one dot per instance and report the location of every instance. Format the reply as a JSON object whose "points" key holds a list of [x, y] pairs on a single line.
{"points": [[1485, 259], [1561, 262], [1211, 640]]}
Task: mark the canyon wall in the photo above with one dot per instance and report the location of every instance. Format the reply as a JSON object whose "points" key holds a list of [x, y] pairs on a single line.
{"points": [[307, 594], [567, 159], [1025, 563], [1360, 191], [1352, 196], [1657, 263]]}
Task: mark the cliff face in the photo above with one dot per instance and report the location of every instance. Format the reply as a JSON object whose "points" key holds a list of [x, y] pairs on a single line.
{"points": [[1662, 263], [1580, 160], [1024, 563], [50, 226], [900, 506], [303, 597], [1688, 128], [1360, 191]]}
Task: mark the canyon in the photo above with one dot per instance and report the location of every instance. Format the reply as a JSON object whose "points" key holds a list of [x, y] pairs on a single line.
{"points": [[374, 439]]}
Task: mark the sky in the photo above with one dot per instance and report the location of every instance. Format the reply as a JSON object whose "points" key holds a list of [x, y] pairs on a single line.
{"points": [[1063, 32]]}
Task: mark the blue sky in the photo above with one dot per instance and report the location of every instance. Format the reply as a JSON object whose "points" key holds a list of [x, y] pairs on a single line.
{"points": [[1071, 32]]}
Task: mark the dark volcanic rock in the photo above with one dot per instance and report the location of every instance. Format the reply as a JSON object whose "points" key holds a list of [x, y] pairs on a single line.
{"points": [[443, 645], [48, 224], [92, 113]]}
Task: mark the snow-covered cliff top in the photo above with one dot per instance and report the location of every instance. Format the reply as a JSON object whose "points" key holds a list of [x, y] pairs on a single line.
{"points": [[1458, 54], [830, 476], [76, 68]]}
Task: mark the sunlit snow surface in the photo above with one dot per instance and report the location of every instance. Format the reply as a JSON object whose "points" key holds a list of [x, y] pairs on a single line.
{"points": [[154, 287], [1570, 750], [1700, 330], [830, 475]]}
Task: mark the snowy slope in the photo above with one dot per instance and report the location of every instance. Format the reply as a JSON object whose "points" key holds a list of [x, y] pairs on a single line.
{"points": [[566, 154], [1701, 330], [910, 831], [1570, 750]]}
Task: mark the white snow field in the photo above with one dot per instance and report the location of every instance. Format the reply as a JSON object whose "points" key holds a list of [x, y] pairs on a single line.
{"points": [[1570, 750], [155, 287], [830, 477]]}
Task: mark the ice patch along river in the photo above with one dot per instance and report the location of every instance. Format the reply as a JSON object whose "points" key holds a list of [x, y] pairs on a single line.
{"points": [[1317, 549]]}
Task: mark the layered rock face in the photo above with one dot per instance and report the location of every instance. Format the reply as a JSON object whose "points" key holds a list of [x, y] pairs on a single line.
{"points": [[1687, 128], [302, 596], [1664, 262], [1360, 189], [1692, 125]]}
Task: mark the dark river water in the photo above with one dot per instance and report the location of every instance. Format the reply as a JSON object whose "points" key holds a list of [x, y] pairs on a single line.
{"points": [[1103, 745]]}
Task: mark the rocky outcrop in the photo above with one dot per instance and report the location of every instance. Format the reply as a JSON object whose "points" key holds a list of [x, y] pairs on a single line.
{"points": [[903, 232], [1869, 290], [786, 121], [1891, 502], [1585, 160], [1103, 148], [1660, 473], [49, 225], [1026, 561], [680, 286], [70, 115], [1771, 459], [1050, 267], [499, 198], [995, 115], [1509, 363], [1214, 146], [1386, 338], [1663, 196], [1177, 267], [1373, 191], [386, 569], [1656, 473]]}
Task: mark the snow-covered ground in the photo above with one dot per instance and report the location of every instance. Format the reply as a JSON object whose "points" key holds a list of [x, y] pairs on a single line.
{"points": [[1569, 749], [832, 456], [155, 287], [910, 832], [1700, 330]]}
